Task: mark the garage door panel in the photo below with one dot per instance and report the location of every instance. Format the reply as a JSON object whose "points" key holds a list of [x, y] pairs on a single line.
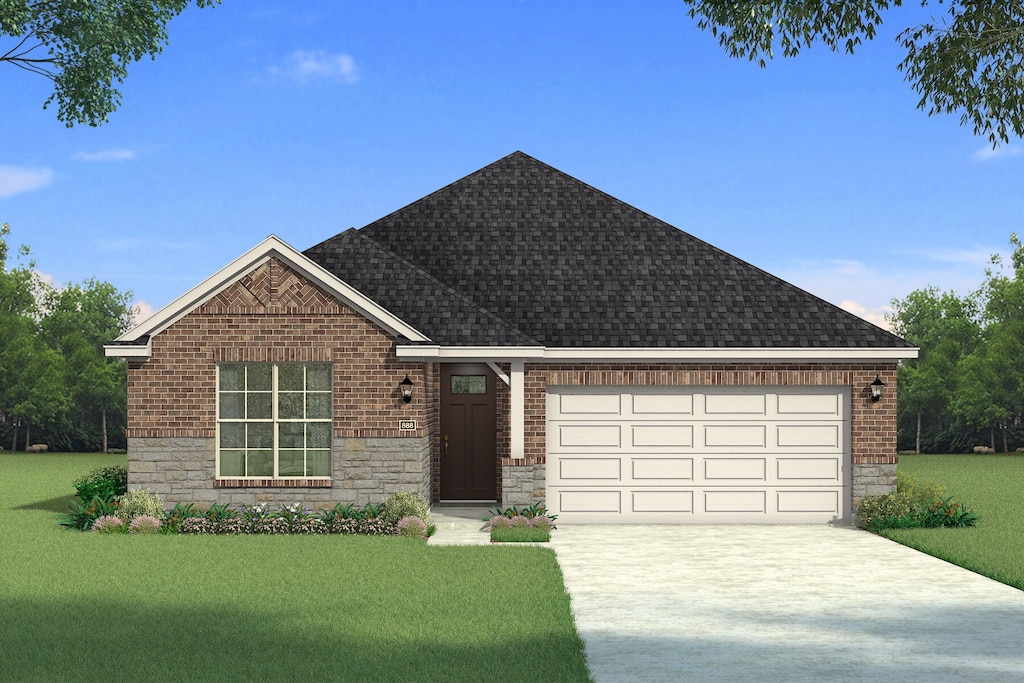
{"points": [[589, 436], [586, 469], [735, 404], [809, 436], [590, 404], [738, 500], [596, 500], [662, 501], [665, 469], [735, 435], [675, 404], [719, 469], [662, 435], [812, 469], [826, 501], [809, 404]]}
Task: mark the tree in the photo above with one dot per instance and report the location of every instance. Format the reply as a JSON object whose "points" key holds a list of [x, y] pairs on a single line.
{"points": [[84, 46], [970, 62], [945, 328], [79, 320]]}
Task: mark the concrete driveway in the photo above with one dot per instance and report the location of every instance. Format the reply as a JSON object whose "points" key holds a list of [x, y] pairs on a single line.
{"points": [[782, 603]]}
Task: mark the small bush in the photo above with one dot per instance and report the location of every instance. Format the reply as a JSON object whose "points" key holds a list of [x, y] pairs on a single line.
{"points": [[139, 503], [405, 504], [81, 515], [901, 510], [520, 521], [144, 524], [411, 526], [499, 521], [923, 494], [542, 522], [531, 511], [105, 483], [108, 524]]}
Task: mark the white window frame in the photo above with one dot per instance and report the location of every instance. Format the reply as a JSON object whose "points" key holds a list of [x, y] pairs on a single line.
{"points": [[275, 420]]}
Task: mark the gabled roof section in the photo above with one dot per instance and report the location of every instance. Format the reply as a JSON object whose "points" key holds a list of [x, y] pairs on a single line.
{"points": [[136, 342], [441, 313], [569, 266]]}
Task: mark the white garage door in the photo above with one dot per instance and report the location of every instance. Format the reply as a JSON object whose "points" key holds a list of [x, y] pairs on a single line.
{"points": [[698, 454]]}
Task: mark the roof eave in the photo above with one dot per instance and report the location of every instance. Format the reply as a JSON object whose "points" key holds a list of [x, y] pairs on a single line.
{"points": [[657, 354]]}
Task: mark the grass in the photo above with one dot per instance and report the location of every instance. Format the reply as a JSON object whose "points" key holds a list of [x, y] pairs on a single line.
{"points": [[990, 486], [81, 606], [517, 534]]}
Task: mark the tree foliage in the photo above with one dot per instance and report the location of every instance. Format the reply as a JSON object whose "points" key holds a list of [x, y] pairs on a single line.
{"points": [[85, 47], [968, 381], [969, 60], [56, 385]]}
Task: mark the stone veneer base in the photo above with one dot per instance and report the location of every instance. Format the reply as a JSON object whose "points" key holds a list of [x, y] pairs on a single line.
{"points": [[182, 470]]}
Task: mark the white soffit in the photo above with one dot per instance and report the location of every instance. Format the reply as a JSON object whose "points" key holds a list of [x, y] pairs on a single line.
{"points": [[604, 354], [271, 247]]}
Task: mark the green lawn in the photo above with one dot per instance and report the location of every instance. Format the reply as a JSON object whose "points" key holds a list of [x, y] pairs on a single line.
{"points": [[82, 606], [991, 486]]}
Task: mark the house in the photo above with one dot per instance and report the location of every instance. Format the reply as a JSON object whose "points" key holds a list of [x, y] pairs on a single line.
{"points": [[561, 345]]}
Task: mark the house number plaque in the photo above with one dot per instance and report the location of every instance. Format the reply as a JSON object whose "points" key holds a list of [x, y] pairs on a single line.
{"points": [[407, 425]]}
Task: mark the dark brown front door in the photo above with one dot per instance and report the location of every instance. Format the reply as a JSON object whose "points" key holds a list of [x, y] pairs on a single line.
{"points": [[469, 469]]}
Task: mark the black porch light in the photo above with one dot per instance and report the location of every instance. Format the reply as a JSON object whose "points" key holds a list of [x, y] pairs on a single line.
{"points": [[406, 386], [876, 388]]}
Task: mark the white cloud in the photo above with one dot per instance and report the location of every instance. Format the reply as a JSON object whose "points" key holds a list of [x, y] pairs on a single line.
{"points": [[142, 311], [303, 66], [107, 155], [14, 180], [988, 152], [872, 315]]}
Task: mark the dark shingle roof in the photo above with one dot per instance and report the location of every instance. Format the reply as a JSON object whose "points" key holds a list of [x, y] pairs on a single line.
{"points": [[570, 266]]}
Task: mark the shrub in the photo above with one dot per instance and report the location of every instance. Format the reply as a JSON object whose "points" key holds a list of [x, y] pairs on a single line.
{"points": [[499, 521], [923, 494], [144, 524], [520, 521], [197, 525], [405, 504], [531, 511], [105, 483], [139, 503], [411, 526], [81, 515], [108, 524], [542, 522], [900, 510], [177, 515]]}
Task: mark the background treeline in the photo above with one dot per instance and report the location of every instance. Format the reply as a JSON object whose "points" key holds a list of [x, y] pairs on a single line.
{"points": [[56, 386], [967, 386]]}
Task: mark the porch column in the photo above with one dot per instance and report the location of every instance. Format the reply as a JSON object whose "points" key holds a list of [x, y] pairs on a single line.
{"points": [[517, 415]]}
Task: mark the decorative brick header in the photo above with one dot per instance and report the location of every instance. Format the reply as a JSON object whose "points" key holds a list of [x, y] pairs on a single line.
{"points": [[272, 483]]}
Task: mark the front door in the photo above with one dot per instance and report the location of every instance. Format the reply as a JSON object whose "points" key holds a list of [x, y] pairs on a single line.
{"points": [[469, 469]]}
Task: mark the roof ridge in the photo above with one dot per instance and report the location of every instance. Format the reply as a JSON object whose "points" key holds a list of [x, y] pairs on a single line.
{"points": [[448, 288]]}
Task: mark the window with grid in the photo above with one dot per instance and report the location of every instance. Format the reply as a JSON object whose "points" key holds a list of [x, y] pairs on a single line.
{"points": [[274, 420]]}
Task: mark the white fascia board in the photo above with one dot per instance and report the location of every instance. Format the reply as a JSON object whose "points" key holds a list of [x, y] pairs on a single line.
{"points": [[703, 355], [469, 353], [271, 247], [653, 355], [126, 351]]}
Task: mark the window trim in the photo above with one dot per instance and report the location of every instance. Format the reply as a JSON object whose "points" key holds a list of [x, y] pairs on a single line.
{"points": [[276, 479]]}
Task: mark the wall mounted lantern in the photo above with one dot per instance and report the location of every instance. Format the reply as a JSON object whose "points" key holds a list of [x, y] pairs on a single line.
{"points": [[876, 388], [406, 386]]}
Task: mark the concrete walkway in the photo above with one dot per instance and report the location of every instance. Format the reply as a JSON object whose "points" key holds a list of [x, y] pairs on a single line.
{"points": [[782, 603]]}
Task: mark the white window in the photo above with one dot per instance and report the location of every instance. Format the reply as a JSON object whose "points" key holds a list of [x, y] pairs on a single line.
{"points": [[274, 420]]}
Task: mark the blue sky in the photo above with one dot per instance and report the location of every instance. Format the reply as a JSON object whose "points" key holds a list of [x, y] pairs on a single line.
{"points": [[304, 119]]}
